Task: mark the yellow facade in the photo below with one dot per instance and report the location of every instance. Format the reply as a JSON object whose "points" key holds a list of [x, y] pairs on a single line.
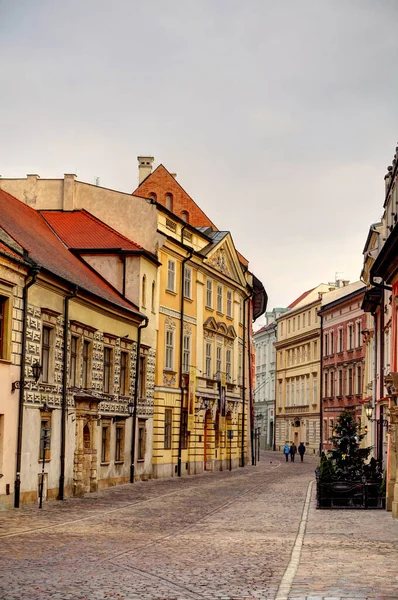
{"points": [[206, 387], [298, 377]]}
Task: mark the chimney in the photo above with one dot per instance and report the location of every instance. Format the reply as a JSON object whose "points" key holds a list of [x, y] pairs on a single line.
{"points": [[144, 167], [345, 282]]}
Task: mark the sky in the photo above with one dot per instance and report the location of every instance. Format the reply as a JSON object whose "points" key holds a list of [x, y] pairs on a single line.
{"points": [[279, 118]]}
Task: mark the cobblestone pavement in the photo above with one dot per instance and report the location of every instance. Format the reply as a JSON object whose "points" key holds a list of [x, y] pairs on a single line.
{"points": [[220, 536]]}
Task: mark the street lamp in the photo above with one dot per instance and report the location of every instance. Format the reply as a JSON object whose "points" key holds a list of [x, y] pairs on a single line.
{"points": [[36, 370], [369, 411]]}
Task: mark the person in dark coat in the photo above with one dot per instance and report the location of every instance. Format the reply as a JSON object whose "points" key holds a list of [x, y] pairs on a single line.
{"points": [[293, 450], [301, 450]]}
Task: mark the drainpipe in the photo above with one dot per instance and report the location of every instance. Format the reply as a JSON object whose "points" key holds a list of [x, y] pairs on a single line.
{"points": [[185, 260], [252, 430], [320, 392], [242, 457], [17, 484], [374, 393], [64, 406], [134, 417]]}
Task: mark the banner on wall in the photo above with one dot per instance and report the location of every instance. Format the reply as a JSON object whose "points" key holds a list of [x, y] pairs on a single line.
{"points": [[191, 398]]}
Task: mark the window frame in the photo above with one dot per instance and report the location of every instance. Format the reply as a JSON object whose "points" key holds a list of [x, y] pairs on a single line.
{"points": [[171, 276], [169, 350], [209, 293], [73, 363], [86, 364], [186, 353], [124, 387], [229, 312], [141, 440], [219, 298], [46, 352], [187, 282], [119, 443], [168, 427], [107, 370]]}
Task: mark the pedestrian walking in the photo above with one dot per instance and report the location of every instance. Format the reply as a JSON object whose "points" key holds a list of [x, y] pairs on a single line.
{"points": [[293, 450], [286, 451], [301, 450]]}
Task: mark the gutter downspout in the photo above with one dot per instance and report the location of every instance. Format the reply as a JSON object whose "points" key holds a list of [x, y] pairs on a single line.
{"points": [[242, 457], [64, 406], [320, 392], [17, 484], [134, 418], [374, 393], [185, 260]]}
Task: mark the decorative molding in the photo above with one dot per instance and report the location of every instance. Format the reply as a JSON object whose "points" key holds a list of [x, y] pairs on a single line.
{"points": [[176, 314]]}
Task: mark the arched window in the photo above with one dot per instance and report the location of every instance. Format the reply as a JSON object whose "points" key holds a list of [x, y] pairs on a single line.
{"points": [[169, 202], [185, 216], [153, 297], [143, 302], [153, 196]]}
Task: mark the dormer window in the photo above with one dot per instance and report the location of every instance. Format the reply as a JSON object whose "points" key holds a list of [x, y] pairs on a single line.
{"points": [[153, 196], [169, 202], [185, 216]]}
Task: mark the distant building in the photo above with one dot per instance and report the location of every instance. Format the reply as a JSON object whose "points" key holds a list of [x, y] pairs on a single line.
{"points": [[343, 355], [264, 390], [298, 371]]}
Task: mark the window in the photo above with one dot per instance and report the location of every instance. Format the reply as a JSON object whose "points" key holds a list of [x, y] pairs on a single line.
{"points": [[187, 282], [86, 364], [350, 341], [281, 329], [240, 310], [340, 383], [171, 275], [218, 362], [73, 361], [169, 349], [229, 304], [186, 353], [315, 390], [168, 417], [45, 436], [315, 350], [358, 334], [185, 216], [45, 354], [209, 293], [331, 426], [287, 392], [349, 376], [153, 196], [325, 345], [219, 298], [359, 380], [292, 388], [208, 360], [280, 392], [228, 364], [303, 320], [288, 326], [294, 323], [124, 387], [331, 384], [143, 299], [142, 376], [313, 432], [107, 369], [309, 317], [142, 439], [297, 390], [325, 391], [325, 430], [331, 343], [169, 202], [307, 432], [298, 322], [307, 389], [3, 312], [105, 434], [309, 352], [340, 340], [119, 444], [153, 296], [240, 363], [184, 429]]}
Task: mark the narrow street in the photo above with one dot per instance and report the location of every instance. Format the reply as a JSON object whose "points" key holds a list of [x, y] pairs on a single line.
{"points": [[246, 534]]}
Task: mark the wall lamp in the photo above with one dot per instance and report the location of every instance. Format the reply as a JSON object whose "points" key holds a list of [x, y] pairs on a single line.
{"points": [[36, 371], [369, 413], [130, 408]]}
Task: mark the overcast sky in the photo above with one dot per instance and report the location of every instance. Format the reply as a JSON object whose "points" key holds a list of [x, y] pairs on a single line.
{"points": [[279, 118]]}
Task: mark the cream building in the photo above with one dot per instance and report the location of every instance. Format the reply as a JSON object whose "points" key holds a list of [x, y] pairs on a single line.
{"points": [[298, 372]]}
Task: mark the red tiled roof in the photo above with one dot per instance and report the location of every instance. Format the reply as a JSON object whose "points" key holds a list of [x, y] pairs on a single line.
{"points": [[27, 227], [300, 298], [8, 250], [80, 229]]}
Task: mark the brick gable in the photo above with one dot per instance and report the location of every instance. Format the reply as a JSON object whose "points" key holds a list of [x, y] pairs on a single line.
{"points": [[160, 183]]}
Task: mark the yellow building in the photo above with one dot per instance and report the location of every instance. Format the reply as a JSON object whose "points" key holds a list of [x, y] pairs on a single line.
{"points": [[298, 372]]}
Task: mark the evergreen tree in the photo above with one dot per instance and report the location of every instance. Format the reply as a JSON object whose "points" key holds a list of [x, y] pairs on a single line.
{"points": [[346, 455]]}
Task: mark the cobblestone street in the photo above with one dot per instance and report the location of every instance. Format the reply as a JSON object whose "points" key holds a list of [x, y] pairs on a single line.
{"points": [[229, 535]]}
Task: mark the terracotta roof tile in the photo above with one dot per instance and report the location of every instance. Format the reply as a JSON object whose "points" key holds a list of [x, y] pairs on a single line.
{"points": [[8, 250], [300, 298], [80, 229], [27, 227]]}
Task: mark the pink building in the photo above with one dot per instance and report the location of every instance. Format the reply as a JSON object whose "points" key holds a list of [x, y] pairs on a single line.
{"points": [[343, 355]]}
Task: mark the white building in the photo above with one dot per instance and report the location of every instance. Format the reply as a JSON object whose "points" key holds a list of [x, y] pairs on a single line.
{"points": [[264, 391]]}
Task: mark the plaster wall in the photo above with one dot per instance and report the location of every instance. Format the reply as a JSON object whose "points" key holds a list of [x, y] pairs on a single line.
{"points": [[109, 266]]}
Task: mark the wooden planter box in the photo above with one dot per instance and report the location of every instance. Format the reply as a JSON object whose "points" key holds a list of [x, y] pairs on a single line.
{"points": [[349, 494]]}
